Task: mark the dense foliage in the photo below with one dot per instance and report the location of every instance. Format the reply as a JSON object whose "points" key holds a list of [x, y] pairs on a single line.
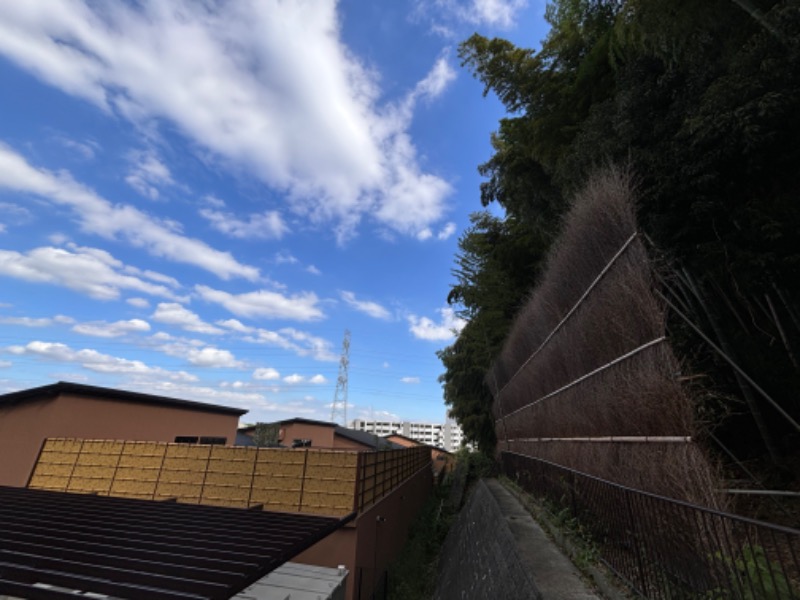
{"points": [[701, 100]]}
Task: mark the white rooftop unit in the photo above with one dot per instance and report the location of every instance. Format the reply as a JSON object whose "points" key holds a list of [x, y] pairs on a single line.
{"points": [[295, 581]]}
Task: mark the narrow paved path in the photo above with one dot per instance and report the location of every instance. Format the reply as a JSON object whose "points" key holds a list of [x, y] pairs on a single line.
{"points": [[555, 576]]}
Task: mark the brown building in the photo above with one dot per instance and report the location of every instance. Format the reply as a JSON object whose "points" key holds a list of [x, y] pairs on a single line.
{"points": [[378, 493], [443, 461], [74, 410], [308, 433]]}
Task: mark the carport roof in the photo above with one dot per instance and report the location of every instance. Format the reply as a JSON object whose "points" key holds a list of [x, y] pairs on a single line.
{"points": [[53, 543]]}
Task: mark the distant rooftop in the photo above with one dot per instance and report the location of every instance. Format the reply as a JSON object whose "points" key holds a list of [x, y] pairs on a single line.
{"points": [[362, 437], [65, 387], [417, 442]]}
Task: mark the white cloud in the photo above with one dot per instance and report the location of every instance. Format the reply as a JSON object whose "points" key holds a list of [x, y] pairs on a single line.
{"points": [[294, 378], [266, 374], [268, 225], [213, 201], [235, 325], [194, 351], [373, 309], [265, 86], [212, 395], [96, 361], [212, 357], [172, 313], [299, 342], [496, 13], [109, 330], [449, 327], [90, 271], [424, 234], [4, 364], [264, 303], [448, 230], [318, 379], [87, 148], [37, 322], [138, 302], [58, 239], [501, 13], [437, 80], [99, 216], [409, 379], [148, 173], [14, 214], [285, 258], [313, 270]]}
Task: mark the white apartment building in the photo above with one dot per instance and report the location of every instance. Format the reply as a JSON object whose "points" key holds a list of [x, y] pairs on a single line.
{"points": [[442, 435]]}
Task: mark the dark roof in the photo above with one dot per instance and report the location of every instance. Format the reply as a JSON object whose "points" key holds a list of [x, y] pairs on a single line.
{"points": [[130, 548], [242, 439], [65, 387], [368, 439]]}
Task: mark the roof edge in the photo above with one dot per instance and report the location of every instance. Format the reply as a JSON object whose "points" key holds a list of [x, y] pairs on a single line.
{"points": [[66, 387]]}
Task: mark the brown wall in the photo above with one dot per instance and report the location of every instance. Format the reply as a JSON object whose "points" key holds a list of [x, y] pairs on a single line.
{"points": [[347, 444], [321, 436], [368, 546], [444, 465], [24, 427], [403, 441]]}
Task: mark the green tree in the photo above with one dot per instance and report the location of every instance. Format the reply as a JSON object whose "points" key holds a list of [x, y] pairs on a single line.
{"points": [[266, 434], [702, 101]]}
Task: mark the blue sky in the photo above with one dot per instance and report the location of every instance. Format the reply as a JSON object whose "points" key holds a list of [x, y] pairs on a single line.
{"points": [[198, 198]]}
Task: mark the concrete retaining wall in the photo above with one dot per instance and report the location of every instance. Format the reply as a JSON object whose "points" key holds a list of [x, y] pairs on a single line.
{"points": [[479, 558]]}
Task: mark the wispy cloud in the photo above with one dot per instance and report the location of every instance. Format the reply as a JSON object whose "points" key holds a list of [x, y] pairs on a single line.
{"points": [[266, 374], [172, 313], [89, 271], [193, 351], [138, 302], [235, 325], [148, 173], [86, 148], [410, 380], [111, 330], [37, 321], [447, 328], [266, 86], [99, 216], [373, 309], [299, 342], [495, 13], [444, 233], [265, 304], [95, 361], [268, 225]]}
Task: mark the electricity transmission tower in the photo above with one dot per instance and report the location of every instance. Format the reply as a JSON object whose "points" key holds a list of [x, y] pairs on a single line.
{"points": [[339, 406]]}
